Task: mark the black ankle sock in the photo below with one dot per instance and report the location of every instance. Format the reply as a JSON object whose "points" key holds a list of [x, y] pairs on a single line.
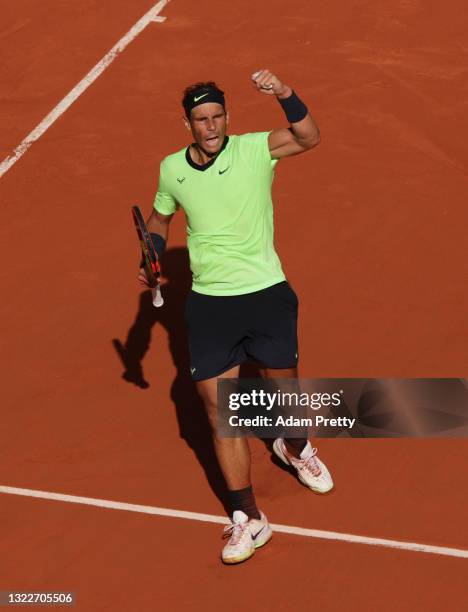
{"points": [[297, 445], [243, 499]]}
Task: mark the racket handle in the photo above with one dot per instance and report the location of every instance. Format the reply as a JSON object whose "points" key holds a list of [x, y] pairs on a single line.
{"points": [[157, 297]]}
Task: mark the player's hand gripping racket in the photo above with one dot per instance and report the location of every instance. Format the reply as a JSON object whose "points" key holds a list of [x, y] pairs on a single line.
{"points": [[150, 257]]}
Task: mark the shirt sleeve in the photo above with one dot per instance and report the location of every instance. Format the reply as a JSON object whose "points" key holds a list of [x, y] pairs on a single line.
{"points": [[164, 201], [257, 143]]}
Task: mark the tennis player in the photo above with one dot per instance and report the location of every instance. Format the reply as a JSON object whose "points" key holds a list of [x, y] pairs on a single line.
{"points": [[240, 307]]}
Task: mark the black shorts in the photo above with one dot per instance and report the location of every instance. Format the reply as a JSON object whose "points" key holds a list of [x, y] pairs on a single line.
{"points": [[225, 331]]}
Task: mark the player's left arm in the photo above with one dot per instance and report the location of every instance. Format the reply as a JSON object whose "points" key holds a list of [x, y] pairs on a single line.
{"points": [[303, 133]]}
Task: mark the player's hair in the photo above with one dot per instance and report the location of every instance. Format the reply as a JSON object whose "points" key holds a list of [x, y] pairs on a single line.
{"points": [[197, 87]]}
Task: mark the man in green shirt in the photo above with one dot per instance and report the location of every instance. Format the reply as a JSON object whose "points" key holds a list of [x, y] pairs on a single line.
{"points": [[240, 307]]}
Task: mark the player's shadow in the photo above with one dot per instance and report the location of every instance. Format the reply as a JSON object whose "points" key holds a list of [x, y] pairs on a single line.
{"points": [[193, 423]]}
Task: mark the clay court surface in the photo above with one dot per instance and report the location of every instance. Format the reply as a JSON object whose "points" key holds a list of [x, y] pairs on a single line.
{"points": [[371, 229]]}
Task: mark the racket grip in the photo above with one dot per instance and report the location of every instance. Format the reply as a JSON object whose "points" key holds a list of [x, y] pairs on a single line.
{"points": [[157, 297]]}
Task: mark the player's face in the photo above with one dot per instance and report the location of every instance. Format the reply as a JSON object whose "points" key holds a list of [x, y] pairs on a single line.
{"points": [[208, 123]]}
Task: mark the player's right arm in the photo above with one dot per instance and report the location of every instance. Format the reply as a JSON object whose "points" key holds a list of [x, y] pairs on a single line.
{"points": [[157, 223]]}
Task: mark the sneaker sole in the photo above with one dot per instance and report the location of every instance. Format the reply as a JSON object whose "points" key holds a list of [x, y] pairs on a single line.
{"points": [[236, 560], [284, 459]]}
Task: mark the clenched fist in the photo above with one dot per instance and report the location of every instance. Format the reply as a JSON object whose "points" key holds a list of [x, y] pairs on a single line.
{"points": [[266, 82]]}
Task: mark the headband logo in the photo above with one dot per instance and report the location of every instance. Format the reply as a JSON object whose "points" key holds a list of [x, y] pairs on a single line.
{"points": [[196, 98]]}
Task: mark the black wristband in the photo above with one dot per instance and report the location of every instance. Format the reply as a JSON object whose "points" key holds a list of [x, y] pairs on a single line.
{"points": [[159, 245], [294, 108]]}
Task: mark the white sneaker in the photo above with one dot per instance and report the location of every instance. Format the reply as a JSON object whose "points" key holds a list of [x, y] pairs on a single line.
{"points": [[245, 536], [310, 470]]}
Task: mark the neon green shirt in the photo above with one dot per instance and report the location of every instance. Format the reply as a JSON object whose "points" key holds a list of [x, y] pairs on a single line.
{"points": [[229, 213]]}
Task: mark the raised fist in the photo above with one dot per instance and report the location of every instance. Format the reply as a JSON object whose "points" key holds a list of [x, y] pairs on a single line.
{"points": [[267, 83]]}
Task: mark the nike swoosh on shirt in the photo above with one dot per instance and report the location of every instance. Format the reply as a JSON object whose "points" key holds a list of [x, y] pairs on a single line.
{"points": [[196, 98], [223, 171]]}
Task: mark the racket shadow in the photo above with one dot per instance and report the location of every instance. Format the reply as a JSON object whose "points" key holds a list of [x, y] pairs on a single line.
{"points": [[192, 421]]}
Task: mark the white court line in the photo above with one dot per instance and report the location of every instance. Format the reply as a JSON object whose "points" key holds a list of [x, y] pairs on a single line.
{"points": [[150, 17], [212, 518]]}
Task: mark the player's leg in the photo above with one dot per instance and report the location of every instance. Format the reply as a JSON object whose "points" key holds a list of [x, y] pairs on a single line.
{"points": [[216, 351], [249, 528], [233, 453], [274, 346], [294, 446], [216, 332]]}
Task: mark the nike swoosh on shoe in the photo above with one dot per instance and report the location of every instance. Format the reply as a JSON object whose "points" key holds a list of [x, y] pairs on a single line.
{"points": [[254, 537]]}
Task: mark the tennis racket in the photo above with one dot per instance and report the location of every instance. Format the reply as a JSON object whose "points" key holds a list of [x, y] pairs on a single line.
{"points": [[149, 255]]}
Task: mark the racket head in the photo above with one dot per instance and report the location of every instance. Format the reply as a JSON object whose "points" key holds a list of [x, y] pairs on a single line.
{"points": [[149, 254]]}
